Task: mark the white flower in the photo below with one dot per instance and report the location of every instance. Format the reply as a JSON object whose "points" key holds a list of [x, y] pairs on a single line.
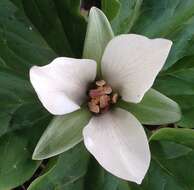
{"points": [[129, 65]]}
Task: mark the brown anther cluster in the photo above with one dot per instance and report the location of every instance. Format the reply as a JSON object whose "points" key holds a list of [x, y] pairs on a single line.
{"points": [[101, 97]]}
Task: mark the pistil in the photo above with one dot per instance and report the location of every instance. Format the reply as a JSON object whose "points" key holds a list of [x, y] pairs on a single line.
{"points": [[101, 97]]}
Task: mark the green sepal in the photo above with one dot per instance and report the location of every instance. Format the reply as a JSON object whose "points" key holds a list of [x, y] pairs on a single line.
{"points": [[154, 109], [99, 33], [63, 133]]}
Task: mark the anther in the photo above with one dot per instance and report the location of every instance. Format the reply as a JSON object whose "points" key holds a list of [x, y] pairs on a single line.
{"points": [[104, 101], [100, 83], [107, 89], [101, 97], [115, 98], [93, 107]]}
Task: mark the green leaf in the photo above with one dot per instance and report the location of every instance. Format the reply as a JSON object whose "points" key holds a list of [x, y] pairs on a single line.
{"points": [[123, 186], [181, 136], [63, 133], [60, 24], [19, 132], [16, 35], [178, 84], [122, 14], [172, 161], [16, 165], [99, 179], [98, 34], [111, 8], [172, 19], [154, 109], [17, 98], [16, 93], [67, 173]]}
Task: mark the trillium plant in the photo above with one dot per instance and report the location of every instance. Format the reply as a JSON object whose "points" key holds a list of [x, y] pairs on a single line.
{"points": [[126, 71]]}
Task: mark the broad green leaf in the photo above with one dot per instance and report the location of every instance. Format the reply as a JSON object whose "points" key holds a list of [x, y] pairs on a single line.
{"points": [[17, 97], [177, 135], [122, 14], [60, 24], [124, 186], [16, 93], [16, 35], [74, 24], [67, 173], [172, 165], [111, 8], [16, 165], [98, 34], [99, 179], [154, 109], [178, 84], [172, 19], [63, 133]]}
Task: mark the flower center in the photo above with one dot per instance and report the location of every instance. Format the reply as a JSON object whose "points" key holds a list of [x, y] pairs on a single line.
{"points": [[101, 97]]}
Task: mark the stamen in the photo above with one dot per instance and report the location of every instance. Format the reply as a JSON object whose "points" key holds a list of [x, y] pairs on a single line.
{"points": [[100, 83], [101, 97], [96, 100], [104, 101], [115, 98], [93, 107], [107, 89], [96, 92]]}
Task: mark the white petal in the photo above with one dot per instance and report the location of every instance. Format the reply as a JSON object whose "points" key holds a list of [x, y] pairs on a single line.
{"points": [[61, 85], [118, 142], [131, 63]]}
